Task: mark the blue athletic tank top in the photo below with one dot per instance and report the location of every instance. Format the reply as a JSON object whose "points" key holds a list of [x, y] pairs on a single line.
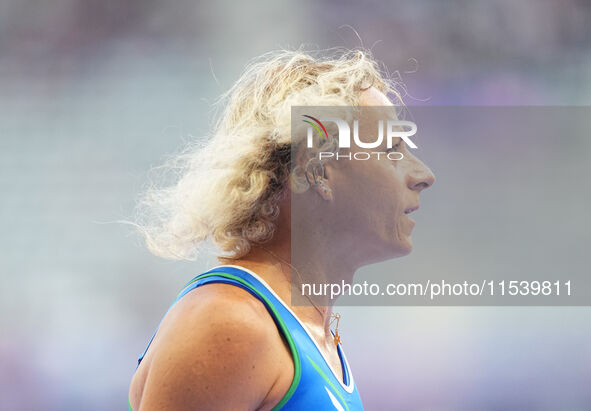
{"points": [[314, 386]]}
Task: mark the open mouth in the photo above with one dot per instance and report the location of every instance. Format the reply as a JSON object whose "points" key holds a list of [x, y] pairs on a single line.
{"points": [[411, 209]]}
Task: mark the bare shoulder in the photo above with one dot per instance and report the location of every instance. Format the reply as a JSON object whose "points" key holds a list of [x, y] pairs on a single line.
{"points": [[217, 347]]}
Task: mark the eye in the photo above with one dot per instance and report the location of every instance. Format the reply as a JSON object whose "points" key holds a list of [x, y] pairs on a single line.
{"points": [[395, 147]]}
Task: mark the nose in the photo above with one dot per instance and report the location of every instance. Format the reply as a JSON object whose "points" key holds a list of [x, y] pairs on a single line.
{"points": [[420, 176]]}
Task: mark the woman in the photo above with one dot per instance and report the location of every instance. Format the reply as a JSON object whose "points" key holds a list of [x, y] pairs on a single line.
{"points": [[232, 340]]}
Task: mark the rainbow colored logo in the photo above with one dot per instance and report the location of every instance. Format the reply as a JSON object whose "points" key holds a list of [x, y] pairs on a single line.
{"points": [[323, 137]]}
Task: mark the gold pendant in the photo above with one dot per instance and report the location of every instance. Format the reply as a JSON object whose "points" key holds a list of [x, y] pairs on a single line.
{"points": [[337, 337]]}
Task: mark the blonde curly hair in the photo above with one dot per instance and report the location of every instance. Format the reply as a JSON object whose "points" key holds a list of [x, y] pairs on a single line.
{"points": [[228, 189]]}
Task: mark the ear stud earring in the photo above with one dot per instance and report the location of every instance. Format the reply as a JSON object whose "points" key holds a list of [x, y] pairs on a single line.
{"points": [[323, 186], [316, 169]]}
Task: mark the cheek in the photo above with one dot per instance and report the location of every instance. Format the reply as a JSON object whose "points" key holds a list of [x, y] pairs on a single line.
{"points": [[392, 205], [375, 191], [391, 194]]}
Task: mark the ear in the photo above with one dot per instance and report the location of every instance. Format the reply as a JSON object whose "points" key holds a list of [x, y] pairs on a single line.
{"points": [[323, 189]]}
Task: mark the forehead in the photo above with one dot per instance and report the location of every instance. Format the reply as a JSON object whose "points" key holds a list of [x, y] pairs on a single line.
{"points": [[373, 97], [374, 108], [374, 105]]}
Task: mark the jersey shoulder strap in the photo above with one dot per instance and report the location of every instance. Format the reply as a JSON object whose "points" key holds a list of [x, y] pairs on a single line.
{"points": [[242, 279]]}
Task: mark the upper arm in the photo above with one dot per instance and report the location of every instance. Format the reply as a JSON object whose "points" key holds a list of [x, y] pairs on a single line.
{"points": [[214, 352]]}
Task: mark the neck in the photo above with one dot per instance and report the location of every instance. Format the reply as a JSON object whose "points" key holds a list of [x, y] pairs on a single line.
{"points": [[275, 267], [311, 261]]}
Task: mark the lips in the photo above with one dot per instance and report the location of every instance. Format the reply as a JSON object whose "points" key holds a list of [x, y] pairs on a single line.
{"points": [[411, 209]]}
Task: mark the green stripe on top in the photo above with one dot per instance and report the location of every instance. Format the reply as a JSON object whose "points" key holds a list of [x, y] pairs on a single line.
{"points": [[334, 389]]}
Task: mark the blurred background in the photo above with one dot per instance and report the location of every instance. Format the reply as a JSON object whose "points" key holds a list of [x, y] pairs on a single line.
{"points": [[95, 93]]}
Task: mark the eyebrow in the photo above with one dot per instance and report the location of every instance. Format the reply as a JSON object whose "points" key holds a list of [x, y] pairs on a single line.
{"points": [[394, 142]]}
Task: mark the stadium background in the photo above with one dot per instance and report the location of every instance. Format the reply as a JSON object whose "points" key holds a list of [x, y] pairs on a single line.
{"points": [[94, 93]]}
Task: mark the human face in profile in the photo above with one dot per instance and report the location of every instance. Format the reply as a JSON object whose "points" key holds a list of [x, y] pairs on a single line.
{"points": [[374, 198]]}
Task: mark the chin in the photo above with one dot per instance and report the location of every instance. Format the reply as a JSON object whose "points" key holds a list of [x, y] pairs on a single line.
{"points": [[401, 244], [387, 250], [398, 250], [405, 248], [404, 252]]}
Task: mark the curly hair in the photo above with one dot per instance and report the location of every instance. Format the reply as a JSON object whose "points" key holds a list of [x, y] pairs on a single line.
{"points": [[227, 190]]}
